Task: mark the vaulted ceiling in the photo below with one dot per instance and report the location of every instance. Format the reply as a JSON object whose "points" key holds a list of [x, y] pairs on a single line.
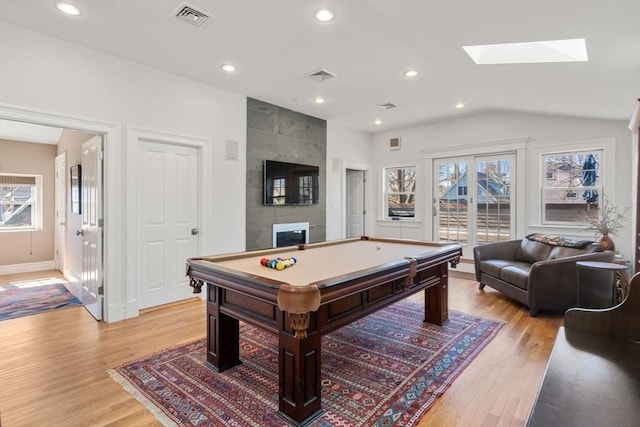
{"points": [[275, 44]]}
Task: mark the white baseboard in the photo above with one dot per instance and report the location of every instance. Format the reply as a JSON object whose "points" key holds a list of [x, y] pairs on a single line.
{"points": [[27, 267], [70, 276]]}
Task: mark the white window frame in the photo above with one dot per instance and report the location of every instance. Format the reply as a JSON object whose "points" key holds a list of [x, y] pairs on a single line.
{"points": [[607, 176], [384, 199], [36, 206]]}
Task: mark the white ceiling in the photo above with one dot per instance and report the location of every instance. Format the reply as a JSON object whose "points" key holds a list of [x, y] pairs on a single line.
{"points": [[276, 43], [28, 132]]}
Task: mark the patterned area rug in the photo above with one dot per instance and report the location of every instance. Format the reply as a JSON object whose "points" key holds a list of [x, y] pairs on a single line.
{"points": [[385, 369], [26, 298]]}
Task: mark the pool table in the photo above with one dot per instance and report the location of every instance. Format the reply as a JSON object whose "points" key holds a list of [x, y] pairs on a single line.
{"points": [[332, 284]]}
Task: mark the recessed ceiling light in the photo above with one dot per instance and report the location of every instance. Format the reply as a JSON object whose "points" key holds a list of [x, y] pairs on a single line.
{"points": [[68, 8], [377, 122], [318, 100], [529, 52], [410, 73], [460, 105], [324, 15], [229, 68]]}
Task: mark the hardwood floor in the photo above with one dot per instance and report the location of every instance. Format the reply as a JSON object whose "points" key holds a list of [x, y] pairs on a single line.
{"points": [[53, 365]]}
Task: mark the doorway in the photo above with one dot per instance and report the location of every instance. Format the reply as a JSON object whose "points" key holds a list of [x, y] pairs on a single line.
{"points": [[475, 199], [166, 192], [113, 248], [355, 203]]}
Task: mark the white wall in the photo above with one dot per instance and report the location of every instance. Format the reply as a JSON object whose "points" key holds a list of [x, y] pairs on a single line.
{"points": [[43, 74], [33, 248], [346, 149], [541, 133]]}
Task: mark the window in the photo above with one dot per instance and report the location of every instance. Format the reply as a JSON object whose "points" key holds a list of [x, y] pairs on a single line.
{"points": [[20, 207], [573, 193], [400, 191]]}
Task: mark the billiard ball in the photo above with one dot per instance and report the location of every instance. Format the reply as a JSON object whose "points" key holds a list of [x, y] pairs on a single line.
{"points": [[378, 246]]}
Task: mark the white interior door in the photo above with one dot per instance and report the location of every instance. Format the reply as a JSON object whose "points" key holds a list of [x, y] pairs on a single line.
{"points": [[168, 189], [91, 202], [355, 203], [61, 209]]}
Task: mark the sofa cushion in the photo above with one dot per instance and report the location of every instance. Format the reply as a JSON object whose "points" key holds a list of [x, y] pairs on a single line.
{"points": [[517, 274], [493, 267], [531, 251], [563, 252]]}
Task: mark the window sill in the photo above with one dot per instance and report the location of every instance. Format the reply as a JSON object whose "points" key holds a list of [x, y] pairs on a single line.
{"points": [[19, 230], [399, 222]]}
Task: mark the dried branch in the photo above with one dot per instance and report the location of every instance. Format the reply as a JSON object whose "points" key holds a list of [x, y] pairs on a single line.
{"points": [[609, 221]]}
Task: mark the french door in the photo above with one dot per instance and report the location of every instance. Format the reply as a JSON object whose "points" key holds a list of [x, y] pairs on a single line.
{"points": [[474, 199]]}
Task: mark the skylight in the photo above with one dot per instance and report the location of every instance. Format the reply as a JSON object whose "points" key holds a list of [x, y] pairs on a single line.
{"points": [[529, 52]]}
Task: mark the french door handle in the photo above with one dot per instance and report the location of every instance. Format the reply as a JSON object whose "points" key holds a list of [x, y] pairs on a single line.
{"points": [[80, 233], [194, 231]]}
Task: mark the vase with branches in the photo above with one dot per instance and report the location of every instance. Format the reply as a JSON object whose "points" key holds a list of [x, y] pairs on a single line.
{"points": [[607, 223]]}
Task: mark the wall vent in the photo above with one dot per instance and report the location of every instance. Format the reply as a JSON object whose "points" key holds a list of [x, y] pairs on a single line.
{"points": [[387, 106], [321, 75], [190, 15], [394, 143]]}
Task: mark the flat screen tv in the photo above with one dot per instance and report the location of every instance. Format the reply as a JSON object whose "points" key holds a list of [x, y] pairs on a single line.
{"points": [[290, 184]]}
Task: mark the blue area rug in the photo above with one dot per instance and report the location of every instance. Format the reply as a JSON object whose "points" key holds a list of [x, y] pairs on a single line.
{"points": [[386, 369], [27, 298]]}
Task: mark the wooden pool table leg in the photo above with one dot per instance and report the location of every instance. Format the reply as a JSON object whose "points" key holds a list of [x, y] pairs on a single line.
{"points": [[223, 334], [299, 373], [436, 299]]}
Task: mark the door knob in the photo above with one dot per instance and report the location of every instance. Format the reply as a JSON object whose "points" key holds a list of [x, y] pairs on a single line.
{"points": [[80, 233], [194, 231]]}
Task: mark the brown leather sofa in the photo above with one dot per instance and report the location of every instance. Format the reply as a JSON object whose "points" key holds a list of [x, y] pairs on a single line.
{"points": [[538, 271]]}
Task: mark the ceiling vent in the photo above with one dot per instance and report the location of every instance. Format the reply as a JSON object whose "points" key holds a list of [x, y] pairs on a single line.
{"points": [[190, 15], [387, 106], [321, 75]]}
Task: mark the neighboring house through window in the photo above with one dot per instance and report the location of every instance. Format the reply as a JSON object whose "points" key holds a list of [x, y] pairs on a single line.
{"points": [[20, 206], [572, 189]]}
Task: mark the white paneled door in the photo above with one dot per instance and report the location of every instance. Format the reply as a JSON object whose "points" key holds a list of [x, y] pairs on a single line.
{"points": [[168, 189], [61, 209], [354, 203], [91, 232]]}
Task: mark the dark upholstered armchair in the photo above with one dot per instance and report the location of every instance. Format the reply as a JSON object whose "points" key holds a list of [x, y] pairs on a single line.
{"points": [[538, 271]]}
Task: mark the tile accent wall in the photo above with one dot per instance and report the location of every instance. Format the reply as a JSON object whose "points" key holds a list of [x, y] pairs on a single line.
{"points": [[276, 133]]}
